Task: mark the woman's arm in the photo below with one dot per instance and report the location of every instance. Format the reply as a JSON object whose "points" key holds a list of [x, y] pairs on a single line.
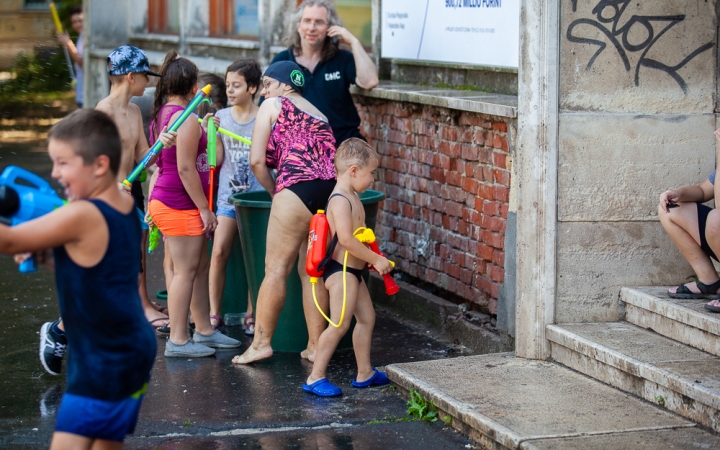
{"points": [[266, 116], [699, 193]]}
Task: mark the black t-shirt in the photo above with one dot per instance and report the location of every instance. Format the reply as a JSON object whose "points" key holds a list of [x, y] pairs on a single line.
{"points": [[328, 89]]}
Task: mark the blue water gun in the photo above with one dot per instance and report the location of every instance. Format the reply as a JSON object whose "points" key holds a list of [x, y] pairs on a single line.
{"points": [[25, 196]]}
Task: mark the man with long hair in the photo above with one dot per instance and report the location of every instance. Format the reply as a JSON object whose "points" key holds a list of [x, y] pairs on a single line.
{"points": [[313, 34]]}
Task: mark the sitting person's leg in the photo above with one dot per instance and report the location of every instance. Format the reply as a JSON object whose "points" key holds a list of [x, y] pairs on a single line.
{"points": [[712, 237], [686, 227]]}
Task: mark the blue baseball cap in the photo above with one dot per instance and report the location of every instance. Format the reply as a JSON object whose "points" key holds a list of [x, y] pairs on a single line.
{"points": [[287, 72], [128, 59]]}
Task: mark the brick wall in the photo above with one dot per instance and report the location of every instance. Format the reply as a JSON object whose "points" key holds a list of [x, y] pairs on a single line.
{"points": [[446, 177]]}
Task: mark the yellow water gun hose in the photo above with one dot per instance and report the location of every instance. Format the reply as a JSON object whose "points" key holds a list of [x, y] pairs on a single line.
{"points": [[364, 235]]}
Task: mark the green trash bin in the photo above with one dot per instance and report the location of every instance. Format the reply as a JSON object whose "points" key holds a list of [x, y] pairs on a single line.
{"points": [[253, 215], [235, 295]]}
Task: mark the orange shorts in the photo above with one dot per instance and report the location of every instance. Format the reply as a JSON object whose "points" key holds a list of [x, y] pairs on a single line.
{"points": [[175, 222]]}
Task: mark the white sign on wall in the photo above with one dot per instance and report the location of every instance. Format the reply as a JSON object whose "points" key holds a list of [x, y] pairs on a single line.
{"points": [[482, 32]]}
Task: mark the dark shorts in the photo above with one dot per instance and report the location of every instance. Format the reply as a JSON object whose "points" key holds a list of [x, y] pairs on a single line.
{"points": [[98, 419], [137, 194], [703, 211], [334, 267], [314, 193]]}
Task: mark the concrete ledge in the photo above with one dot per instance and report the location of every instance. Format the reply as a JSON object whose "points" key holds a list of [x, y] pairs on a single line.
{"points": [[474, 101], [683, 320], [165, 38], [430, 312], [225, 43], [508, 401], [638, 440], [212, 65], [642, 363]]}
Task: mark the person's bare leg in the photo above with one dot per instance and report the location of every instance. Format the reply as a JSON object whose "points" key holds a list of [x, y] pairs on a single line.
{"points": [[200, 302], [250, 325], [69, 441], [681, 224], [186, 256], [362, 335], [167, 266], [315, 322], [712, 235], [329, 339], [151, 313], [222, 246], [287, 229], [100, 444]]}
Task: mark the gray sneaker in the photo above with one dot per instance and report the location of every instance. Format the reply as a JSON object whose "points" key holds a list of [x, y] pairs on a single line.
{"points": [[217, 340], [189, 349]]}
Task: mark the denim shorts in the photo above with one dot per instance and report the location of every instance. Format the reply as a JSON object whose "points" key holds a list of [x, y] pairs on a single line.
{"points": [[143, 225], [98, 419], [226, 212]]}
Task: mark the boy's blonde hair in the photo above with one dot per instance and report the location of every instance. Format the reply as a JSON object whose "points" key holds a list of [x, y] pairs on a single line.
{"points": [[353, 152]]}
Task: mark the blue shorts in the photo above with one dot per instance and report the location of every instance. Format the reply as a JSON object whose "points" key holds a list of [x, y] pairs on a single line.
{"points": [[98, 419], [143, 225], [227, 212]]}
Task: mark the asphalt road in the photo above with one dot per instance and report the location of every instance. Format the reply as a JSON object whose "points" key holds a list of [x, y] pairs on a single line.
{"points": [[208, 403]]}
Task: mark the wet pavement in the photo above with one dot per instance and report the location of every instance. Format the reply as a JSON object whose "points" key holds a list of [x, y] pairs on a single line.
{"points": [[207, 402]]}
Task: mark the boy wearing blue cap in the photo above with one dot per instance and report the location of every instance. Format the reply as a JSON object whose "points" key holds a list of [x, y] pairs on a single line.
{"points": [[128, 68]]}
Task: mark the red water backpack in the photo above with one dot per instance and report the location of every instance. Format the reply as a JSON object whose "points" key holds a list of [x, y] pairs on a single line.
{"points": [[317, 244]]}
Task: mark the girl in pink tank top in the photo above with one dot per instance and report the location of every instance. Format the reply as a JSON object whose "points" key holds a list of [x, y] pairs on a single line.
{"points": [[179, 207]]}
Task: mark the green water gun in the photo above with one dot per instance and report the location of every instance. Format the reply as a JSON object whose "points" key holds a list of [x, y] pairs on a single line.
{"points": [[153, 238]]}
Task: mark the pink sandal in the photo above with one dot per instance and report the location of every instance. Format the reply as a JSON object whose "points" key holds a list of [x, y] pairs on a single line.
{"points": [[219, 321], [249, 321]]}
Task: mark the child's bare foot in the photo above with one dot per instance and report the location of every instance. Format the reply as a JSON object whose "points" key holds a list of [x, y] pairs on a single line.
{"points": [[305, 354], [251, 355], [364, 376]]}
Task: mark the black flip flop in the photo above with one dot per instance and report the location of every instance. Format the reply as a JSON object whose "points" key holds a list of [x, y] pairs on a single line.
{"points": [[715, 309], [707, 292]]}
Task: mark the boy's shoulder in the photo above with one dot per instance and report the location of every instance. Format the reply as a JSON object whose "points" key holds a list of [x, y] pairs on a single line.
{"points": [[112, 109], [353, 200]]}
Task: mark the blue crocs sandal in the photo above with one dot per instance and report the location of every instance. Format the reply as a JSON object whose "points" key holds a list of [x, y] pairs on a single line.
{"points": [[322, 388], [378, 379]]}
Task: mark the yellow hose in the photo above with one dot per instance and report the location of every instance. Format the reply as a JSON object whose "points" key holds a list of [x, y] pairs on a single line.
{"points": [[313, 282], [363, 235]]}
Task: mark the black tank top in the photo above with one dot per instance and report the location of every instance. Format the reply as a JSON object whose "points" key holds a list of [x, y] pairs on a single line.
{"points": [[111, 345]]}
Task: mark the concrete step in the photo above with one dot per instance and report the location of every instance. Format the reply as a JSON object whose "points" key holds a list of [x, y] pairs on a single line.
{"points": [[506, 402], [686, 321], [663, 371]]}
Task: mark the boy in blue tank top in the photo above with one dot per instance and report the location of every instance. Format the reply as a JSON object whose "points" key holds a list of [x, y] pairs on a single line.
{"points": [[95, 241]]}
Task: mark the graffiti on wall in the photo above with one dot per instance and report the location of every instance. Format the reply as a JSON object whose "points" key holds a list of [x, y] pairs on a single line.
{"points": [[634, 34]]}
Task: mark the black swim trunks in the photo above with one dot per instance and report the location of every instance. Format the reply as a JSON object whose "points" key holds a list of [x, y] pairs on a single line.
{"points": [[333, 266], [314, 193], [703, 211], [137, 194]]}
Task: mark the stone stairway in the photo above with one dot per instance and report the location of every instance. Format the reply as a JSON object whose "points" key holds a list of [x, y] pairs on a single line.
{"points": [[666, 351], [647, 382]]}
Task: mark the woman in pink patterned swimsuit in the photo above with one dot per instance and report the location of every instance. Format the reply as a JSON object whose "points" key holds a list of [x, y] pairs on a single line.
{"points": [[294, 138]]}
